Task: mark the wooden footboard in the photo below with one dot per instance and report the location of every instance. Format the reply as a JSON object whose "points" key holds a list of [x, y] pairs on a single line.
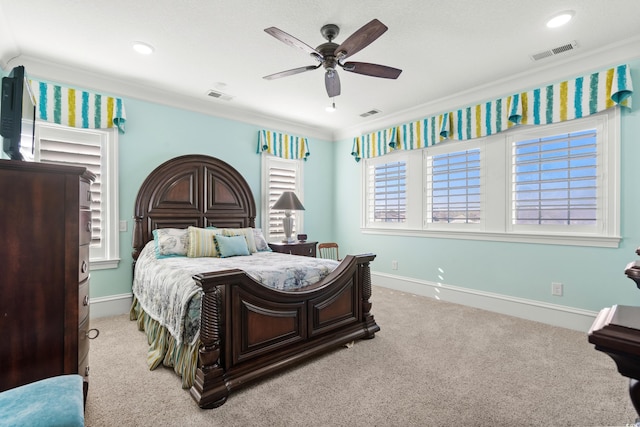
{"points": [[249, 331]]}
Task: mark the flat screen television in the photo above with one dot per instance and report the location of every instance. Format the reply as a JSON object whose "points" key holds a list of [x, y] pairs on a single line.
{"points": [[17, 107]]}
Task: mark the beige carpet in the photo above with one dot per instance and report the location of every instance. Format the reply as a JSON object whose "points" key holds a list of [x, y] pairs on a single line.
{"points": [[432, 364]]}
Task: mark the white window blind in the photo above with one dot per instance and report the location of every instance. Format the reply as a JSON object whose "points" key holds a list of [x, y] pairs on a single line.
{"points": [[387, 192], [97, 150], [555, 180], [279, 175], [85, 154], [453, 187]]}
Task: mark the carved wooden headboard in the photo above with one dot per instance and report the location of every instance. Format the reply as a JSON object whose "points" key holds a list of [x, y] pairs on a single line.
{"points": [[194, 190]]}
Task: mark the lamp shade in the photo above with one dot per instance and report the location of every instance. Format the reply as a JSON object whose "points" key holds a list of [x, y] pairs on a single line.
{"points": [[288, 201]]}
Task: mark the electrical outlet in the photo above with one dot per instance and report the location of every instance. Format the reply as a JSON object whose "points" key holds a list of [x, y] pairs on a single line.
{"points": [[394, 265], [123, 225], [556, 289]]}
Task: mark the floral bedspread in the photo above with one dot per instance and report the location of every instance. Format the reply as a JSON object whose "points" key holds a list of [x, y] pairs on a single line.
{"points": [[167, 292]]}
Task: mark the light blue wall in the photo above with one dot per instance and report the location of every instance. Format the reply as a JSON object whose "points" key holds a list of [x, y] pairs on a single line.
{"points": [[593, 278], [156, 133]]}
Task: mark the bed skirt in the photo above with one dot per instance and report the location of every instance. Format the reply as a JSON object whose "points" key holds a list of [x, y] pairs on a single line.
{"points": [[163, 350]]}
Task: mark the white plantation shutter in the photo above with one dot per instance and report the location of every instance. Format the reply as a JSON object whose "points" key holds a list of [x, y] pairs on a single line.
{"points": [[386, 195], [86, 154], [97, 150], [279, 175], [555, 180], [453, 187]]}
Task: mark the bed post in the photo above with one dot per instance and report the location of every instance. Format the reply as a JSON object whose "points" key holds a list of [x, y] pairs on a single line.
{"points": [[209, 389], [365, 279], [138, 240]]}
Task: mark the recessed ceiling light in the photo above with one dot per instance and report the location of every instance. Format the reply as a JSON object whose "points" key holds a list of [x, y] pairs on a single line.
{"points": [[560, 19], [143, 48]]}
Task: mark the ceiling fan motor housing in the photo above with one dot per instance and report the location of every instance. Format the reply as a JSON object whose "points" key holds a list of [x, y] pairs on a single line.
{"points": [[327, 50]]}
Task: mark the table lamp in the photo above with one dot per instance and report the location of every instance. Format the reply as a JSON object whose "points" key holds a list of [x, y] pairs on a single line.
{"points": [[288, 202]]}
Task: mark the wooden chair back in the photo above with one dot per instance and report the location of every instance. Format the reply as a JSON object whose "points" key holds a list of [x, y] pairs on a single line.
{"points": [[329, 250]]}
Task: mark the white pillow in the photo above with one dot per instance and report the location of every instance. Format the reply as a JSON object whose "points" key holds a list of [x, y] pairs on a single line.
{"points": [[171, 242], [261, 242]]}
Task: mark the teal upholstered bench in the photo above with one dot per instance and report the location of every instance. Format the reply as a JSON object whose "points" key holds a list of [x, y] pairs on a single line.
{"points": [[56, 401]]}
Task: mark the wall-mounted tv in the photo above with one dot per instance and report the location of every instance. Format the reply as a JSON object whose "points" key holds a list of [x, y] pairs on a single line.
{"points": [[17, 107]]}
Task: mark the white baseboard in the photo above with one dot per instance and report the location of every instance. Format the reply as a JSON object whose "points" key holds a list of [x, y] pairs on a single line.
{"points": [[112, 305], [552, 314]]}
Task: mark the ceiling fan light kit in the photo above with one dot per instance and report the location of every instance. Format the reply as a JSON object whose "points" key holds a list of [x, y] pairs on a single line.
{"points": [[330, 55]]}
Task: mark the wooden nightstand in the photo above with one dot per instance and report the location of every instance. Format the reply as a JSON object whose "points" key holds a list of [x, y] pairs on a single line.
{"points": [[295, 248]]}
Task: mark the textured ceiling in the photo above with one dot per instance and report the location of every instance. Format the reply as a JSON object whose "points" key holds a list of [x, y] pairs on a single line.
{"points": [[443, 48]]}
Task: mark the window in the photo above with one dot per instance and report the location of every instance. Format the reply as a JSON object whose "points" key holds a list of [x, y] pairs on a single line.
{"points": [[554, 184], [95, 149], [555, 180], [390, 196], [453, 187], [279, 175], [388, 201]]}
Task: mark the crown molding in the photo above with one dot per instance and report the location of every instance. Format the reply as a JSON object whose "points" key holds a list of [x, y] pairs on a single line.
{"points": [[75, 76], [555, 70]]}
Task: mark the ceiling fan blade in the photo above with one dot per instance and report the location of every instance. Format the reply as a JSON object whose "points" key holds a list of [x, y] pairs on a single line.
{"points": [[360, 39], [293, 42], [291, 72], [374, 70], [332, 83]]}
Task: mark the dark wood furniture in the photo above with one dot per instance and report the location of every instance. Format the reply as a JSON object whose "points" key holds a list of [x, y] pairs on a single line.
{"points": [[616, 332], [295, 248], [248, 331], [45, 229]]}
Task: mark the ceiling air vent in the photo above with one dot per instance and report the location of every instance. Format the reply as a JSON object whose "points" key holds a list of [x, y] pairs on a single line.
{"points": [[215, 94], [554, 51], [370, 113]]}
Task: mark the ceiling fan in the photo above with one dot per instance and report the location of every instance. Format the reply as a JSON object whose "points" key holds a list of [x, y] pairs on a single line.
{"points": [[330, 55]]}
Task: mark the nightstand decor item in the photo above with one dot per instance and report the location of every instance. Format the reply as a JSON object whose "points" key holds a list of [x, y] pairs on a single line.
{"points": [[288, 202], [302, 237]]}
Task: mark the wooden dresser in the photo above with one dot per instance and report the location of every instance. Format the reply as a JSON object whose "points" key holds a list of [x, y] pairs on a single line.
{"points": [[45, 232], [295, 248]]}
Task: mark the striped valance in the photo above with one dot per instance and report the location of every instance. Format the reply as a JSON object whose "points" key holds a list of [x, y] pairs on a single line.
{"points": [[77, 108], [283, 145], [374, 144], [567, 100]]}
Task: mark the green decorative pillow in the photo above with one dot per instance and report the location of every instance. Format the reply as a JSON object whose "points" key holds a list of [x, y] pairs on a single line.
{"points": [[247, 233], [201, 243], [171, 242], [228, 246]]}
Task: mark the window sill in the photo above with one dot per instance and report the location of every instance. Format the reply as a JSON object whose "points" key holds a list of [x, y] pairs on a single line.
{"points": [[104, 264], [539, 238]]}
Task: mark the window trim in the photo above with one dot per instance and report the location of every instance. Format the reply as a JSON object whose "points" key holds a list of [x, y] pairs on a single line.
{"points": [[496, 226]]}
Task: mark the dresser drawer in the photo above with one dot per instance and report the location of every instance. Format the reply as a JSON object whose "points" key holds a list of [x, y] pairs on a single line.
{"points": [[85, 195], [83, 340], [296, 248], [83, 300], [83, 366], [85, 227], [304, 249], [83, 263]]}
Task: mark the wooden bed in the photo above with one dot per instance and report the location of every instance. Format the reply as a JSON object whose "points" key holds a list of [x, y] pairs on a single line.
{"points": [[247, 330]]}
